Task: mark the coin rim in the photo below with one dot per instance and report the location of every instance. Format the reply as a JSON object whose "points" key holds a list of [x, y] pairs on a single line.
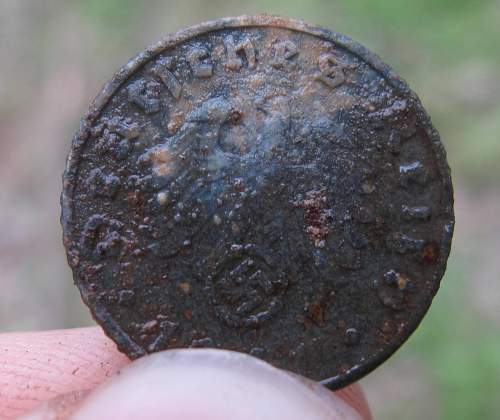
{"points": [[101, 315]]}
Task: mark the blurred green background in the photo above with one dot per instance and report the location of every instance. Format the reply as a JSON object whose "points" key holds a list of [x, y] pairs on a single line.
{"points": [[55, 55]]}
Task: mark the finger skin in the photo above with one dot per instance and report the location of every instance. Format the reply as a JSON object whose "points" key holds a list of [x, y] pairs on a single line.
{"points": [[209, 384], [355, 397], [38, 366]]}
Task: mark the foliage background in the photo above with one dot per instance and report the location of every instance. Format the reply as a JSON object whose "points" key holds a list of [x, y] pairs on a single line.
{"points": [[55, 55]]}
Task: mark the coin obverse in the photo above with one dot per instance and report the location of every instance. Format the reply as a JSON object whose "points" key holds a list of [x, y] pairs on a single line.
{"points": [[259, 185]]}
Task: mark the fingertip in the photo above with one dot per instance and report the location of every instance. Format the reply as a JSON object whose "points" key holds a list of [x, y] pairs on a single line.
{"points": [[38, 366], [356, 398], [211, 384]]}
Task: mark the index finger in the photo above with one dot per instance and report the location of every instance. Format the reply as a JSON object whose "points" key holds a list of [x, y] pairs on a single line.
{"points": [[38, 366]]}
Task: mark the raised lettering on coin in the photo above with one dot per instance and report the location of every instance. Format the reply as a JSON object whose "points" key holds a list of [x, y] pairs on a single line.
{"points": [[163, 69], [247, 52], [199, 67]]}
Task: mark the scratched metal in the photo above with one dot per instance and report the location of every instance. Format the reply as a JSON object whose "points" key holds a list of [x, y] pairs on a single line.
{"points": [[260, 185]]}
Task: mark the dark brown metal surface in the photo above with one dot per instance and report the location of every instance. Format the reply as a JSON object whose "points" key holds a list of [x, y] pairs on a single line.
{"points": [[259, 185]]}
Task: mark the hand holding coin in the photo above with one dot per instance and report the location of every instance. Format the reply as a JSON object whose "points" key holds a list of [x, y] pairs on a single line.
{"points": [[59, 373]]}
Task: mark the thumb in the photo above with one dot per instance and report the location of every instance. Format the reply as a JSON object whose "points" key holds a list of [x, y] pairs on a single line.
{"points": [[202, 384]]}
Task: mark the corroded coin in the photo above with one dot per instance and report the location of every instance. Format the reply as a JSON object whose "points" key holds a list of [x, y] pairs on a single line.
{"points": [[260, 185]]}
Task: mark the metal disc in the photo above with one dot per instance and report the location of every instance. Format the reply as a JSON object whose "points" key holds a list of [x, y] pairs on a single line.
{"points": [[260, 185]]}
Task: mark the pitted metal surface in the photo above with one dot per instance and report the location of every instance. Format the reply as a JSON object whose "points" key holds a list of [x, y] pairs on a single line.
{"points": [[259, 185]]}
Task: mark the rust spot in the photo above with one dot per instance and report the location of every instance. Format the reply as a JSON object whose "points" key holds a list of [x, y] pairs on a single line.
{"points": [[343, 368], [314, 313], [235, 116], [430, 253], [185, 287], [317, 313], [316, 216], [387, 331], [176, 122]]}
